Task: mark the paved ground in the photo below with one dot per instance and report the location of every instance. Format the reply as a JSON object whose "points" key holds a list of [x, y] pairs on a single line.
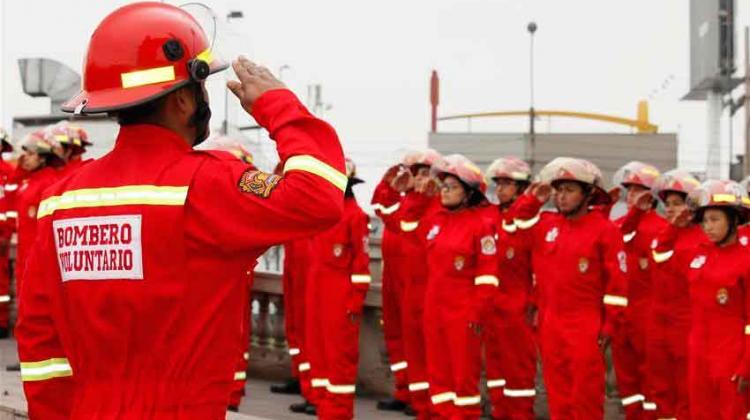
{"points": [[259, 402]]}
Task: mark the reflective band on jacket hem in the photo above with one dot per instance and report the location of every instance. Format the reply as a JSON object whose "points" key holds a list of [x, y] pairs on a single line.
{"points": [[46, 369], [319, 383], [660, 257], [341, 389], [526, 224], [629, 236], [386, 210], [649, 406], [361, 279], [317, 167], [240, 376], [510, 228], [409, 226], [615, 300], [294, 352], [152, 195], [147, 77], [6, 298], [399, 366], [496, 383], [632, 399], [464, 401], [486, 279], [304, 367], [519, 393], [419, 386], [444, 397]]}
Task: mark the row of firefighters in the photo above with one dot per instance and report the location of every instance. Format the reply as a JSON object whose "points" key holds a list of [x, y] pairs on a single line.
{"points": [[545, 271]]}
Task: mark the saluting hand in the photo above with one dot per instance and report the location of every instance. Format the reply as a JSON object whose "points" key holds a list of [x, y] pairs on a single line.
{"points": [[614, 194], [404, 181], [253, 82], [644, 200], [682, 218], [542, 191], [391, 173]]}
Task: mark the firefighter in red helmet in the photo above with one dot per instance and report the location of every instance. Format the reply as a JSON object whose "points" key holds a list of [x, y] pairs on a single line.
{"points": [[139, 259]]}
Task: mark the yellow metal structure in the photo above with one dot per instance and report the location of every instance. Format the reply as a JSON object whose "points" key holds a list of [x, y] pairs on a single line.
{"points": [[641, 123]]}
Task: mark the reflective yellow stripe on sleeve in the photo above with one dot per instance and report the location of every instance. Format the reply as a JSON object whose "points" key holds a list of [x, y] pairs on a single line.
{"points": [[409, 226], [314, 166], [46, 369], [509, 227], [615, 300], [361, 279], [152, 195], [629, 236], [386, 210], [661, 257], [527, 224], [486, 279]]}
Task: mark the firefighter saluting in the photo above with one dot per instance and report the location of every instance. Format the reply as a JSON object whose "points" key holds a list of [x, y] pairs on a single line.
{"points": [[137, 269]]}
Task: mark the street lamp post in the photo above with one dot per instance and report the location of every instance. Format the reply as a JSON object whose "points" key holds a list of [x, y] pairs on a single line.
{"points": [[233, 14], [531, 27]]}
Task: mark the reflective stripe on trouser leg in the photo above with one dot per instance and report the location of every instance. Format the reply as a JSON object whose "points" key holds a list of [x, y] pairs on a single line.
{"points": [[519, 393]]}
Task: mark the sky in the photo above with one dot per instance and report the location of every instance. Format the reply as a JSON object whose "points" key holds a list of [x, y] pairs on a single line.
{"points": [[374, 58]]}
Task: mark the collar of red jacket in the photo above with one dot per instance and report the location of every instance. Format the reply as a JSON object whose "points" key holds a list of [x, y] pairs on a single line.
{"points": [[150, 137]]}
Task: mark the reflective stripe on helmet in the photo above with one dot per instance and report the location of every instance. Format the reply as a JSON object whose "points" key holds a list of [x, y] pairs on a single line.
{"points": [[147, 77], [116, 196], [46, 369], [314, 166]]}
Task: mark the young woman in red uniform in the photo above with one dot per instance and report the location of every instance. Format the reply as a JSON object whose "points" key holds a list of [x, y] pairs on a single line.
{"points": [[718, 274], [509, 345], [462, 266]]}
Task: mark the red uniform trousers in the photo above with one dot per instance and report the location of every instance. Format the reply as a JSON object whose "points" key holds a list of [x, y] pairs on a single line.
{"points": [[296, 270], [510, 358], [573, 366], [314, 390], [4, 288], [396, 267], [243, 355], [414, 341], [629, 358], [340, 344], [454, 355]]}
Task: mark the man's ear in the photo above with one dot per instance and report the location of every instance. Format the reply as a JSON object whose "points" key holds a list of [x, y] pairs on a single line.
{"points": [[183, 102]]}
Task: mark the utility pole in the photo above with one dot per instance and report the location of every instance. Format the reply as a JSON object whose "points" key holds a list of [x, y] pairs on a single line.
{"points": [[532, 27], [747, 101]]}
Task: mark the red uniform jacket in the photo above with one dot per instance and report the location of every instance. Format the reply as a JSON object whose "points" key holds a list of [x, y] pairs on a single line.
{"points": [[719, 284], [580, 265], [638, 238], [137, 275]]}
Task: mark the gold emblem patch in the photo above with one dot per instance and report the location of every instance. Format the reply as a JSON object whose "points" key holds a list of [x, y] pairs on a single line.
{"points": [[643, 263], [583, 265], [258, 182], [488, 245], [458, 262], [510, 253], [722, 296], [32, 212], [338, 249]]}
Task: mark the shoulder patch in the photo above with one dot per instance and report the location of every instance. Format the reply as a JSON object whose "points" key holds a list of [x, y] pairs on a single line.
{"points": [[488, 245], [258, 182]]}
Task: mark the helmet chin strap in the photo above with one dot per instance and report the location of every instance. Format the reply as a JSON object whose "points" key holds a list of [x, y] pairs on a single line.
{"points": [[201, 116], [732, 230]]}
